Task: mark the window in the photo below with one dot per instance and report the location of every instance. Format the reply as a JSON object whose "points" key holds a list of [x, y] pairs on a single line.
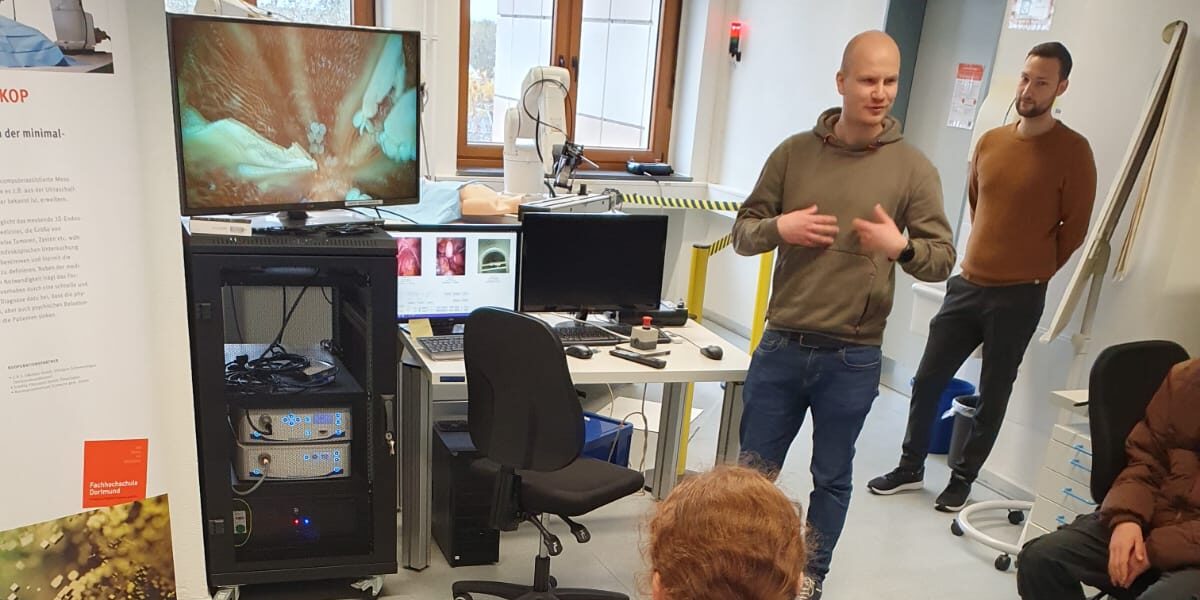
{"points": [[621, 56], [329, 12]]}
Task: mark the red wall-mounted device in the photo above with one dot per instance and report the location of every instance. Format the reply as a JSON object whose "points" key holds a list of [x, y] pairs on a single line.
{"points": [[735, 40]]}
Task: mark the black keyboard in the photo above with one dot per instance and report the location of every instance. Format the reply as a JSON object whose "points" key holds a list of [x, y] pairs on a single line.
{"points": [[596, 336], [443, 347]]}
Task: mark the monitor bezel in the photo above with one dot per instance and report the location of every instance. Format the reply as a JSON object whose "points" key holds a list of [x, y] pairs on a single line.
{"points": [[187, 211], [392, 229], [552, 216]]}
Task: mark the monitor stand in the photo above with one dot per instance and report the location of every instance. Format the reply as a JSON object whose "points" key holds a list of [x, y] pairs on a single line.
{"points": [[447, 325], [581, 315], [299, 220]]}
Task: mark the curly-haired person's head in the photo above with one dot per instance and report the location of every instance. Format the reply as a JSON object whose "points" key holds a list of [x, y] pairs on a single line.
{"points": [[729, 533]]}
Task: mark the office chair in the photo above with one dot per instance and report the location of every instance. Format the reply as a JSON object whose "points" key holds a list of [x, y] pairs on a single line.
{"points": [[525, 419], [1122, 382]]}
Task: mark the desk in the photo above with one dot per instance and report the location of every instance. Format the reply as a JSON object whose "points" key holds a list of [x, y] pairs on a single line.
{"points": [[87, 62], [424, 381], [1074, 401]]}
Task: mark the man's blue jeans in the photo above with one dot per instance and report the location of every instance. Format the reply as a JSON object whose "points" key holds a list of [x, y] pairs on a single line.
{"points": [[787, 378]]}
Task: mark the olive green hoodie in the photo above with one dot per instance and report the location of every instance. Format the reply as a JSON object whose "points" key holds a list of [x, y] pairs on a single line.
{"points": [[843, 291]]}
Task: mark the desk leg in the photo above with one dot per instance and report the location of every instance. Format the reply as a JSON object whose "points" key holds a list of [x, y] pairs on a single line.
{"points": [[728, 442], [416, 460], [671, 427]]}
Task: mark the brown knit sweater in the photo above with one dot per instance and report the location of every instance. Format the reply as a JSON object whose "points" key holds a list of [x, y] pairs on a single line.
{"points": [[1031, 201]]}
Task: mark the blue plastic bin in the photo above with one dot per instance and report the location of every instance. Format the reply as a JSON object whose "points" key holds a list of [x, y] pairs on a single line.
{"points": [[943, 429], [599, 435]]}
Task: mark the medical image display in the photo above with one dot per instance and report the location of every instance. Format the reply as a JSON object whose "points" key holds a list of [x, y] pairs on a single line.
{"points": [[493, 256], [273, 116], [408, 257], [451, 256]]}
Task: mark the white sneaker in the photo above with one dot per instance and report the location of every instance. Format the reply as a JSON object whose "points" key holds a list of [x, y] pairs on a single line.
{"points": [[810, 589]]}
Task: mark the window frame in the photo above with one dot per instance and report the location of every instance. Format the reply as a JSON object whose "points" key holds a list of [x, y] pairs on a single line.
{"points": [[363, 12], [564, 43]]}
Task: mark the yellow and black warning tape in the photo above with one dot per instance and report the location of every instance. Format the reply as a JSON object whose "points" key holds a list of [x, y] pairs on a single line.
{"points": [[644, 200], [714, 247], [689, 203]]}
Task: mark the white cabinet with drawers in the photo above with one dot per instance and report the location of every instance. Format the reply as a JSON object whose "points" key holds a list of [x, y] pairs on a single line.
{"points": [[1064, 483]]}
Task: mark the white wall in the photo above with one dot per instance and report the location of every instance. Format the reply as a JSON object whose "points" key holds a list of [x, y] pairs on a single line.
{"points": [[1117, 50], [786, 78], [700, 65]]}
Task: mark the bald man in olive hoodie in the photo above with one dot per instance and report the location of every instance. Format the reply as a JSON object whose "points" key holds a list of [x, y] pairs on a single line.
{"points": [[835, 202]]}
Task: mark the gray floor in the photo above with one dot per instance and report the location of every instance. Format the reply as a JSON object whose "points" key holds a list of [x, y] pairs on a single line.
{"points": [[892, 547]]}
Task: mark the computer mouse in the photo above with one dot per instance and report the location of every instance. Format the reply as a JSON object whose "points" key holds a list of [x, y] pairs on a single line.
{"points": [[579, 351], [714, 352]]}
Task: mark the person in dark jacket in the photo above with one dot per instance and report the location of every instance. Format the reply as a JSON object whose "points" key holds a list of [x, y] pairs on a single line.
{"points": [[1146, 535]]}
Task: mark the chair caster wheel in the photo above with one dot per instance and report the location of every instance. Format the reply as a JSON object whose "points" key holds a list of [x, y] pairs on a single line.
{"points": [[1016, 517], [462, 596], [955, 528], [553, 582], [1003, 562]]}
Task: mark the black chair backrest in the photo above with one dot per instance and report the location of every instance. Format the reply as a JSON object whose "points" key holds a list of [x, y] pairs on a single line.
{"points": [[1122, 382], [522, 408]]}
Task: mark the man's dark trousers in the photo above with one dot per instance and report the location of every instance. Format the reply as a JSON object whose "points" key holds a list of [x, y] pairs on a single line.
{"points": [[1003, 319]]}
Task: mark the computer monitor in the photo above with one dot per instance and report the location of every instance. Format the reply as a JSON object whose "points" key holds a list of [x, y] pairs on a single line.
{"points": [[289, 117], [443, 272], [591, 262]]}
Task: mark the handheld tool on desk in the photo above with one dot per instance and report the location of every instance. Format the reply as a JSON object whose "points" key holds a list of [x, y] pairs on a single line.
{"points": [[649, 361]]}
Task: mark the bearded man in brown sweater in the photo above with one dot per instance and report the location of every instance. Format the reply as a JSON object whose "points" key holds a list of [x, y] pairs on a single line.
{"points": [[1031, 188]]}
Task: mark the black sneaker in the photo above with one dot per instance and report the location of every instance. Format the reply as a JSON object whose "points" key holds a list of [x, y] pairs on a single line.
{"points": [[899, 480], [954, 497]]}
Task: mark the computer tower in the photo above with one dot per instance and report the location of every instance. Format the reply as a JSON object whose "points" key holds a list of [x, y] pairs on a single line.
{"points": [[462, 502]]}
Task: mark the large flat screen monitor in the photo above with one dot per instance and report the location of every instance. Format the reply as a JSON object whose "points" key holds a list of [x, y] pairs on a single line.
{"points": [[277, 116], [591, 262], [443, 272]]}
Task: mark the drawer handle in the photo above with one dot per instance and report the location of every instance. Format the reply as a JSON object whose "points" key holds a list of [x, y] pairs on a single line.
{"points": [[1078, 465], [1070, 493], [1082, 448]]}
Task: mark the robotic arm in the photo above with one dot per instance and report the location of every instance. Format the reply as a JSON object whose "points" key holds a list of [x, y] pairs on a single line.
{"points": [[75, 29], [533, 128]]}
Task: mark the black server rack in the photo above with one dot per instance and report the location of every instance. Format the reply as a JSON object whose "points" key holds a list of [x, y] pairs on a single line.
{"points": [[297, 481]]}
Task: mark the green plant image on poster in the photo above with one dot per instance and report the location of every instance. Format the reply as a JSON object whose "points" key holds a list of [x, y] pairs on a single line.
{"points": [[121, 551]]}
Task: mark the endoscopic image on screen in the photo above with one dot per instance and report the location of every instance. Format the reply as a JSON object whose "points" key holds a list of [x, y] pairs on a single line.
{"points": [[493, 256], [408, 257], [275, 115], [452, 256]]}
